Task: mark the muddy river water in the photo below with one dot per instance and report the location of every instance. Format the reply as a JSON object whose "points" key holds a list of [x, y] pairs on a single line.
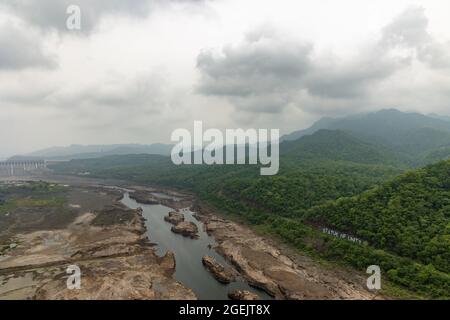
{"points": [[188, 252]]}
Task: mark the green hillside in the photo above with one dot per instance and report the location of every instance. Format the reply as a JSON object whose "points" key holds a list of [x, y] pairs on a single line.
{"points": [[408, 216], [300, 184], [411, 135], [340, 146]]}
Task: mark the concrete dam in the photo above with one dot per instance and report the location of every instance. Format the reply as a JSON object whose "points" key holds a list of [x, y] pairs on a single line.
{"points": [[18, 168]]}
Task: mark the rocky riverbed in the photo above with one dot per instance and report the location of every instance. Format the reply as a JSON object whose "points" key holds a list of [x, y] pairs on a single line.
{"points": [[174, 218], [222, 274], [108, 245], [186, 228], [242, 295], [281, 272], [271, 266], [107, 241], [144, 197]]}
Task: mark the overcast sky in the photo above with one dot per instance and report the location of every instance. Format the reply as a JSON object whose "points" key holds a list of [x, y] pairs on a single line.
{"points": [[139, 69]]}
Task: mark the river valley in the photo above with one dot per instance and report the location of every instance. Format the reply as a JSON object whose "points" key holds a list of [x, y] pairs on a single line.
{"points": [[188, 252], [119, 238]]}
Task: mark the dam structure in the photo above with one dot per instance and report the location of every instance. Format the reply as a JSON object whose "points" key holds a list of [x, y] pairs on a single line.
{"points": [[19, 168]]}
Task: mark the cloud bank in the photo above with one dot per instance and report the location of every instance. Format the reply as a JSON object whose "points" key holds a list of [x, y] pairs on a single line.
{"points": [[141, 68], [266, 72]]}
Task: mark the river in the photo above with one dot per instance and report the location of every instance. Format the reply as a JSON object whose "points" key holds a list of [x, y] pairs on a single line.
{"points": [[188, 253]]}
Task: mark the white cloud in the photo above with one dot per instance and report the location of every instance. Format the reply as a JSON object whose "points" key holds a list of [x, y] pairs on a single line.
{"points": [[21, 49], [142, 68]]}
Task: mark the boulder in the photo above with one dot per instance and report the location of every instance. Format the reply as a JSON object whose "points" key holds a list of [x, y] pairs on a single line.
{"points": [[242, 295], [174, 218], [186, 228], [222, 274]]}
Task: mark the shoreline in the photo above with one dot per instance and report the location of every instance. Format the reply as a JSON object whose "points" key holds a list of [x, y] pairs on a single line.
{"points": [[278, 269], [289, 275], [109, 245], [264, 262]]}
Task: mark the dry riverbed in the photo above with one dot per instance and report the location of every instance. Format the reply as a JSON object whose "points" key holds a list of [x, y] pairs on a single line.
{"points": [[278, 270], [102, 237]]}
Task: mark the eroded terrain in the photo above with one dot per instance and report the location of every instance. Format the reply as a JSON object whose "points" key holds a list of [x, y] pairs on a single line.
{"points": [[281, 272], [45, 230], [86, 225]]}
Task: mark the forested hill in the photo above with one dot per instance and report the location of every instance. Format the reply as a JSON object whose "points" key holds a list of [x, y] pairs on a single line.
{"points": [[388, 125], [408, 216], [340, 146], [423, 137]]}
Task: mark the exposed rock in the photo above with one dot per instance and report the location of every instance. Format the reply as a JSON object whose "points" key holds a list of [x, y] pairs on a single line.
{"points": [[264, 266], [144, 197], [174, 217], [115, 214], [168, 263], [269, 273], [242, 295], [136, 277], [164, 197], [108, 244], [186, 228], [222, 274]]}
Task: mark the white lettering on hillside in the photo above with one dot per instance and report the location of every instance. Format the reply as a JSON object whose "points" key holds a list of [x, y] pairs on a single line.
{"points": [[342, 235]]}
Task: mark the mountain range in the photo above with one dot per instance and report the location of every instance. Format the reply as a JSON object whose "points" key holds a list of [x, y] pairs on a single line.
{"points": [[411, 138], [94, 151], [387, 136]]}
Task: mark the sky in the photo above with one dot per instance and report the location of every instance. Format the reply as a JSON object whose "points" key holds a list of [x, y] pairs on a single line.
{"points": [[139, 69]]}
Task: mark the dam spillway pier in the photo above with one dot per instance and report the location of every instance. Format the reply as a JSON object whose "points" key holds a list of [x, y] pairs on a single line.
{"points": [[17, 168]]}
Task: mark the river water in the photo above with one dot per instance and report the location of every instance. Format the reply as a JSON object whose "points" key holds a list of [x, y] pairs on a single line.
{"points": [[188, 253]]}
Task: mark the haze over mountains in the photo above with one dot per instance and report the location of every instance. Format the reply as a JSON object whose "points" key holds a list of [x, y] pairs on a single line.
{"points": [[388, 126], [387, 136], [412, 138], [94, 151]]}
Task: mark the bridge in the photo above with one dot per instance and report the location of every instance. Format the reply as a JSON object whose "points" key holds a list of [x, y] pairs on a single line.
{"points": [[13, 168]]}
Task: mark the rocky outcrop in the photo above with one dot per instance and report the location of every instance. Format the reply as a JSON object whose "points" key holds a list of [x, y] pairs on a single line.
{"points": [[168, 263], [265, 266], [143, 197], [242, 295], [108, 244], [138, 277], [186, 228], [174, 218], [267, 272], [222, 274]]}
